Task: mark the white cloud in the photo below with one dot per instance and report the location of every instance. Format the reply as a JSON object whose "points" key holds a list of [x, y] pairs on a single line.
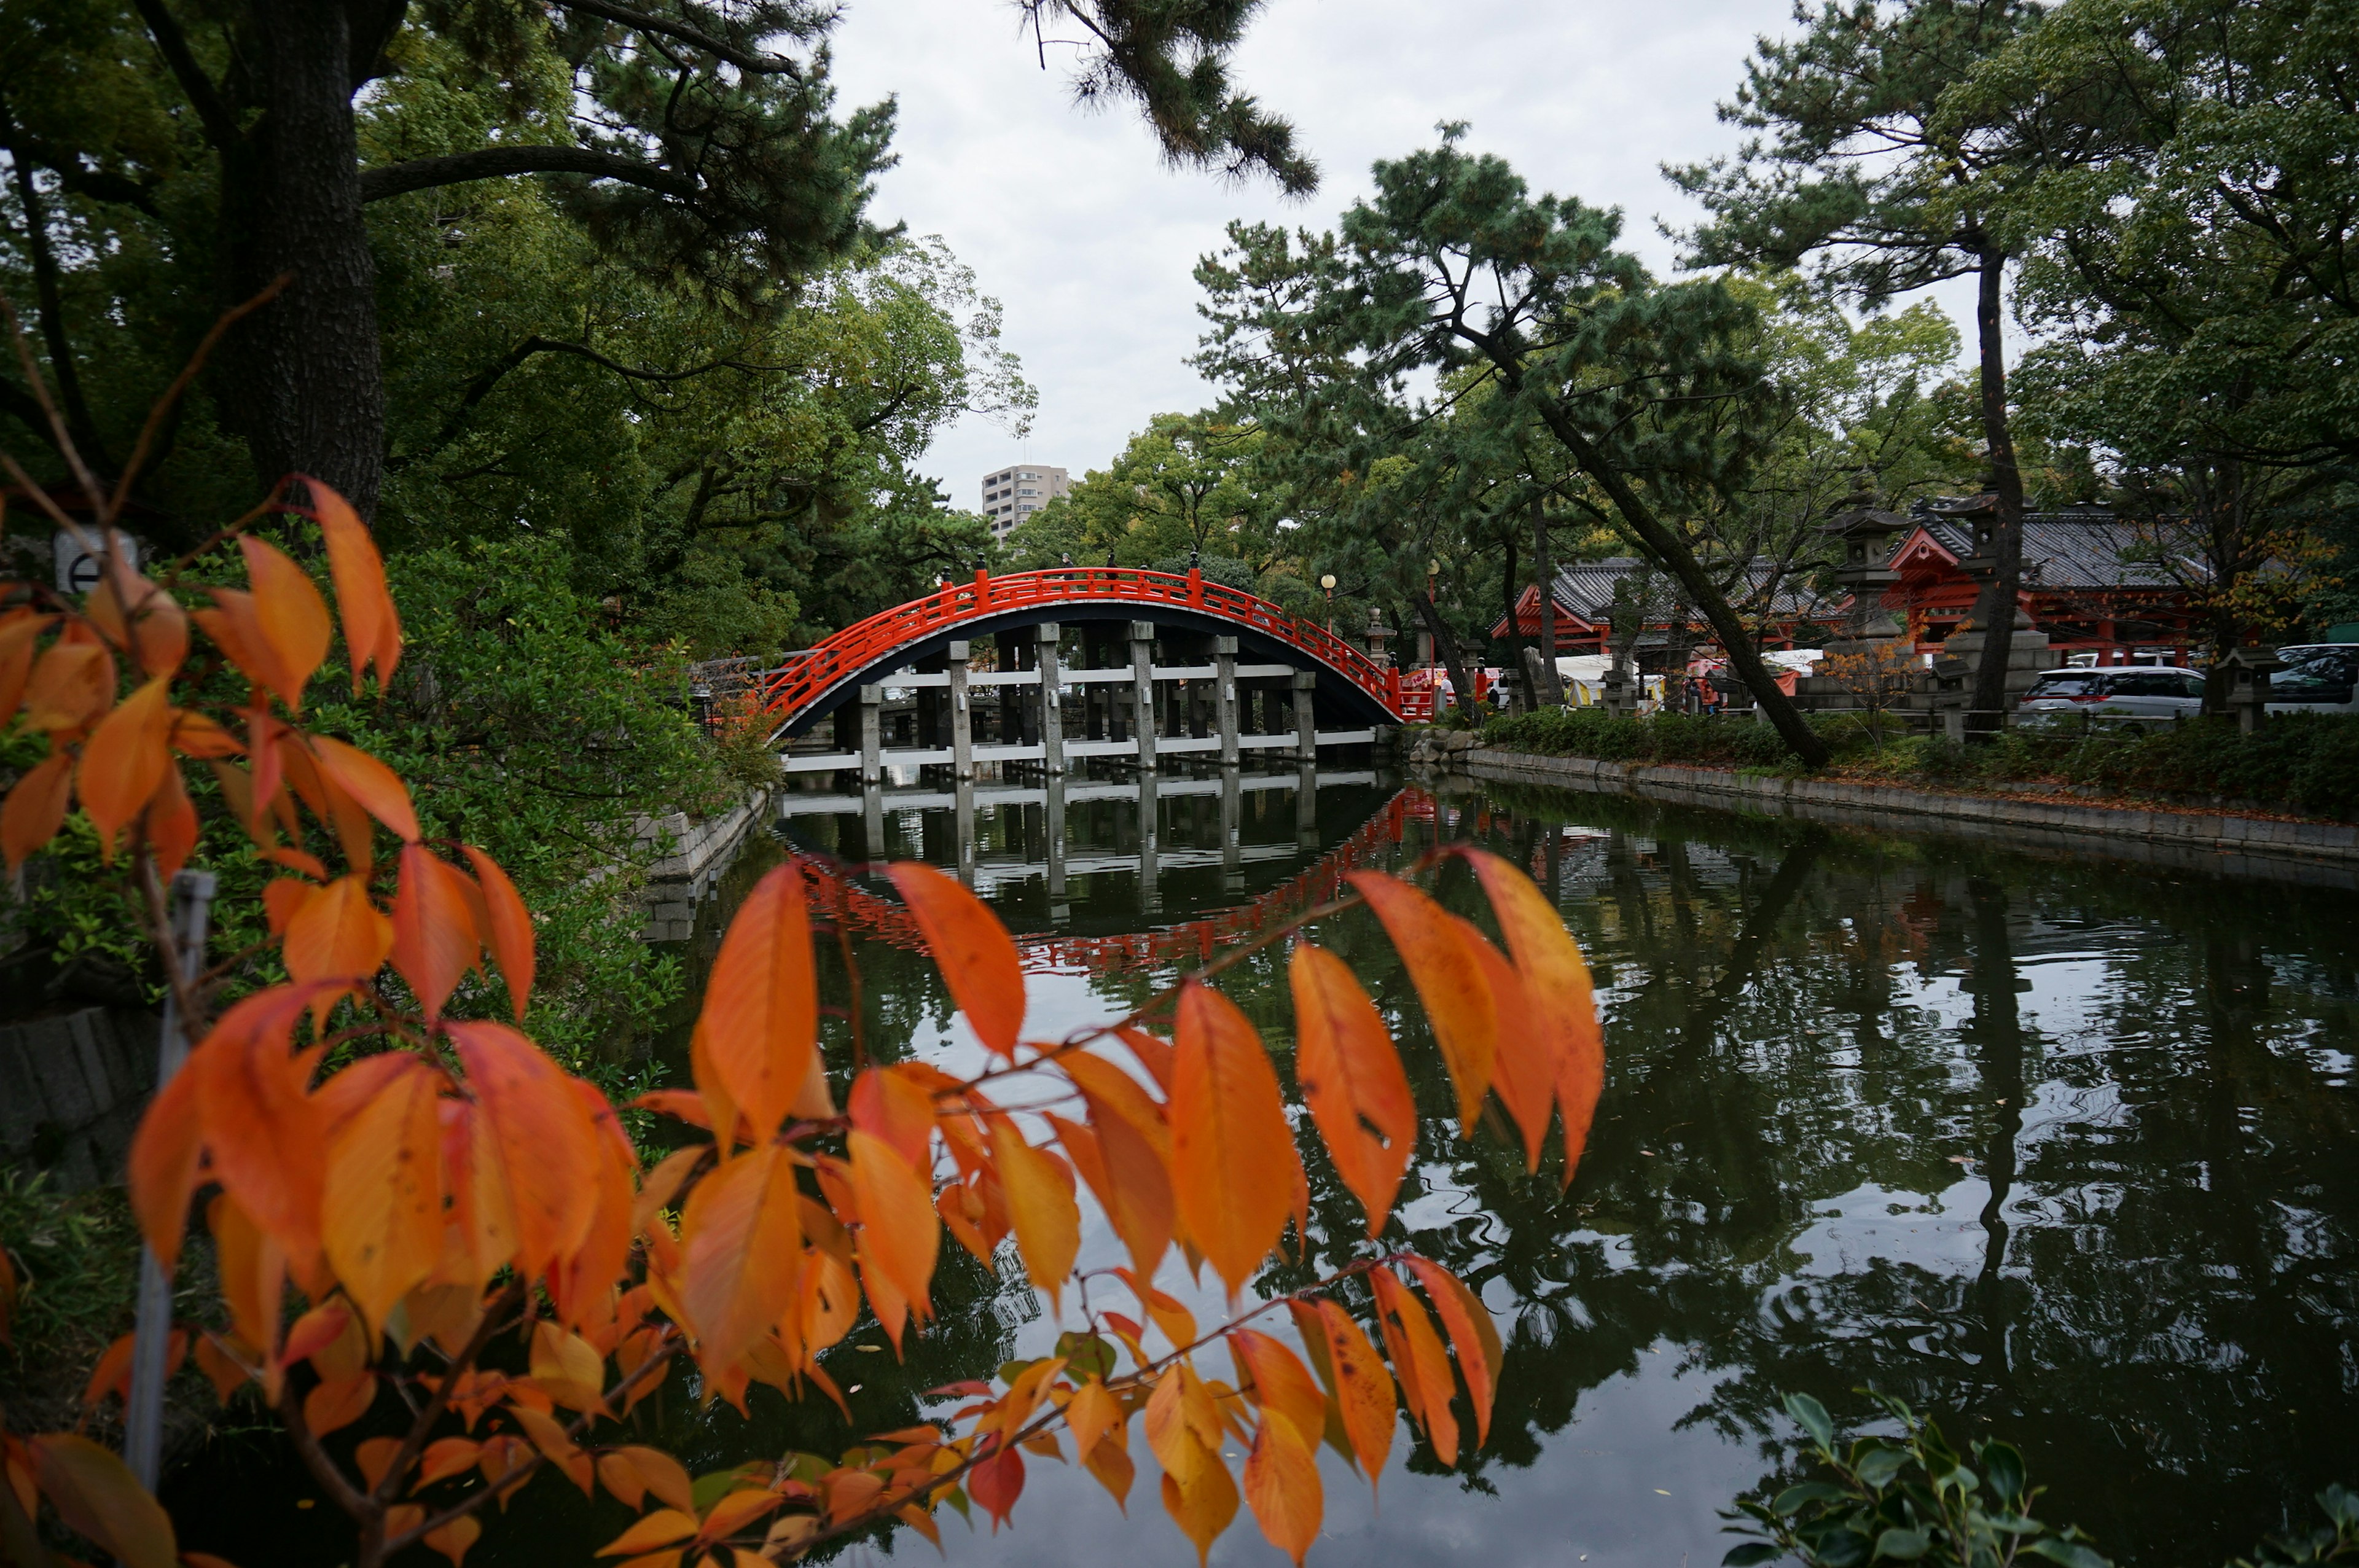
{"points": [[1070, 219]]}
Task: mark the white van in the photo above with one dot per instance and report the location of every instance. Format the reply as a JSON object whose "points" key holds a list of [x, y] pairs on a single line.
{"points": [[2319, 678]]}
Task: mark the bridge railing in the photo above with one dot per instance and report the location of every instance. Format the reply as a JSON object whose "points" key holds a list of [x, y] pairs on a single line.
{"points": [[807, 677]]}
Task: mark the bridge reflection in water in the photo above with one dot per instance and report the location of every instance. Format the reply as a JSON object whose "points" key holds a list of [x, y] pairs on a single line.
{"points": [[1074, 864]]}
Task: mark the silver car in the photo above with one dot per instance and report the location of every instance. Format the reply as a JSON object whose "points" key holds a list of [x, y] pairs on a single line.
{"points": [[2118, 691], [2319, 679]]}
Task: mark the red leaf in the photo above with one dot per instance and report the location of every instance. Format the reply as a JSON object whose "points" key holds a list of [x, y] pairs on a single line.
{"points": [[970, 949], [997, 1482]]}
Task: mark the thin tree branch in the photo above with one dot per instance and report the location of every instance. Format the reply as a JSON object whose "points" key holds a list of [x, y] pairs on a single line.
{"points": [[500, 163]]}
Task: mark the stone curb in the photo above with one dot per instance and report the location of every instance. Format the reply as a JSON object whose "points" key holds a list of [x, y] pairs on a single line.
{"points": [[2326, 843]]}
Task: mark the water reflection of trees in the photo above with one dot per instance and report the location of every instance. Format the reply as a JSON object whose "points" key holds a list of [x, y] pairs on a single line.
{"points": [[2111, 1107]]}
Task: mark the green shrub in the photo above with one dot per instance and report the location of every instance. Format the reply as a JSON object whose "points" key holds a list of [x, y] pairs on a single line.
{"points": [[1701, 740]]}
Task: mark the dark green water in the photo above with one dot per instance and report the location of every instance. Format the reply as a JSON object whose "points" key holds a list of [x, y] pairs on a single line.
{"points": [[2057, 1149]]}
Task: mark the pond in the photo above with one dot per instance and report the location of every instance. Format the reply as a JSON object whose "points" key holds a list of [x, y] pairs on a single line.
{"points": [[2057, 1149]]}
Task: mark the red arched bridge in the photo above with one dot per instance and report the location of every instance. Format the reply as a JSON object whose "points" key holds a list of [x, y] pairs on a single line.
{"points": [[1169, 664]]}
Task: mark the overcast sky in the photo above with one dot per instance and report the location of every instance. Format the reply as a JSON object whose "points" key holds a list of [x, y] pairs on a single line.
{"points": [[1070, 220]]}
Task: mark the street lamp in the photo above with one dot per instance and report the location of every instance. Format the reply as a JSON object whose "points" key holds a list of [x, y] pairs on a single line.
{"points": [[1327, 581], [1432, 572]]}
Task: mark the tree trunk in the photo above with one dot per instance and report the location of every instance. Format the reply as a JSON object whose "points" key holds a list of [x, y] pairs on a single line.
{"points": [[1672, 554], [1445, 646], [299, 379], [1995, 606], [1544, 570], [1510, 586]]}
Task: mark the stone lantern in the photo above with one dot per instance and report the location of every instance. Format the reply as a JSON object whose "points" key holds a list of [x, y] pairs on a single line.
{"points": [[1378, 636], [1865, 532], [2249, 670]]}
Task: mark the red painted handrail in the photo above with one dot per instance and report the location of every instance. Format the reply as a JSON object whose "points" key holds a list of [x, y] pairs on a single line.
{"points": [[810, 675]]}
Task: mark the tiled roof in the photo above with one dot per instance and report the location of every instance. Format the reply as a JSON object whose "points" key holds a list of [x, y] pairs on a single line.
{"points": [[1586, 588], [2081, 549]]}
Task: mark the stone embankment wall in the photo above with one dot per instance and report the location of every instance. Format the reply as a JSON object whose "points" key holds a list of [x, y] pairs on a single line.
{"points": [[71, 1088], [2322, 852], [701, 852]]}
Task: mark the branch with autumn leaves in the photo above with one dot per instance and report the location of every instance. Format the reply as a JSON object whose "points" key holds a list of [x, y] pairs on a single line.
{"points": [[394, 1188]]}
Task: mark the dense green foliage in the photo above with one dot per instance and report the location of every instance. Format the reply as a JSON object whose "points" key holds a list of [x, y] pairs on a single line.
{"points": [[1699, 738]]}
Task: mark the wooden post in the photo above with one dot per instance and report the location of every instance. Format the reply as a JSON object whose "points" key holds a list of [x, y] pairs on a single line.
{"points": [[1306, 725], [1052, 719], [961, 716], [1224, 696], [1055, 815], [1142, 686]]}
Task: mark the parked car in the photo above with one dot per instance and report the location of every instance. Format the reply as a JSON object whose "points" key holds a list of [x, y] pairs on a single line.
{"points": [[2321, 678], [2120, 691]]}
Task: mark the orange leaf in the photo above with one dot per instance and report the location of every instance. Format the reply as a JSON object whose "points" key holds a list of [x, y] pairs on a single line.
{"points": [[1093, 1415], [735, 1511], [142, 617], [1133, 1181], [378, 788], [662, 1528], [333, 1405], [1232, 1148], [899, 1236], [897, 1106], [1363, 1390], [741, 1240], [124, 759], [583, 1285], [18, 628], [1041, 1204], [163, 1165], [1204, 1505], [1279, 1383], [381, 1217], [445, 1457], [1564, 1001], [452, 1539], [1522, 1075], [172, 825], [263, 1133], [1449, 981], [1472, 1334], [233, 626], [72, 683], [970, 949], [372, 626], [113, 1373], [508, 927], [660, 1474], [337, 934], [535, 1145], [194, 735], [1419, 1361], [289, 615], [1282, 1487], [36, 808], [1351, 1080], [96, 1496], [760, 1021], [433, 932]]}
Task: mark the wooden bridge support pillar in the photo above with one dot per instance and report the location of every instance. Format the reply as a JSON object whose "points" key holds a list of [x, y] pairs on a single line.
{"points": [[1059, 911], [872, 734], [1141, 690], [1225, 696], [1150, 840], [1052, 732], [961, 715], [1306, 726], [1233, 854]]}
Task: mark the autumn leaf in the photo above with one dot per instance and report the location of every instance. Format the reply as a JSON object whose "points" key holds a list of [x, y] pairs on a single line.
{"points": [[72, 683], [1472, 1334], [741, 1246], [381, 1215], [1133, 1176], [760, 1019], [1232, 1148], [997, 1482], [288, 613], [1523, 1073], [1041, 1204], [452, 1539], [434, 938], [1362, 1390], [1448, 982], [35, 807], [96, 1497], [171, 824], [1282, 1487], [663, 1527], [337, 934], [1351, 1080], [1419, 1361], [972, 951], [263, 1133], [1093, 1415], [507, 928], [372, 625], [899, 1235], [1564, 1001], [534, 1142], [378, 788], [896, 1104], [1279, 1382], [19, 630], [124, 759]]}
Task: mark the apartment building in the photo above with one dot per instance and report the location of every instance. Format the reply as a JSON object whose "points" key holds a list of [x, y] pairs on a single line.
{"points": [[1014, 493]]}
